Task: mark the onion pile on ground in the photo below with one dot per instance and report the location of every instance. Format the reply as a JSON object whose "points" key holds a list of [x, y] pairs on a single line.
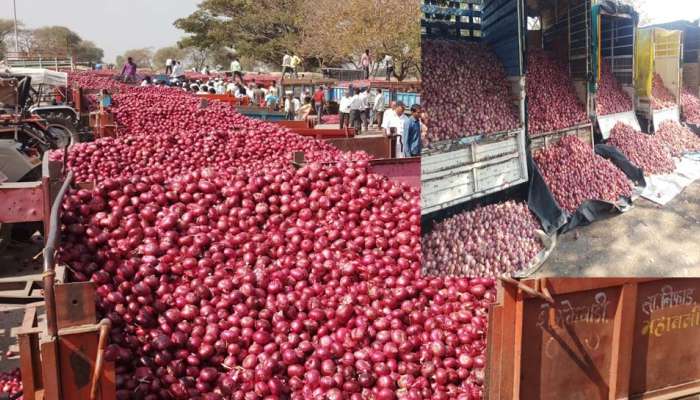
{"points": [[574, 173], [488, 241], [465, 91], [691, 107], [610, 97], [258, 280], [552, 101], [677, 138], [647, 152], [11, 382], [661, 97]]}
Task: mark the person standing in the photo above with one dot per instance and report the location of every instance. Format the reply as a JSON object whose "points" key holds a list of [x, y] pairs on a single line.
{"points": [[355, 111], [168, 66], [378, 108], [235, 66], [319, 100], [289, 110], [296, 63], [205, 70], [366, 61], [286, 65], [412, 133], [129, 71], [364, 108], [389, 66], [344, 109]]}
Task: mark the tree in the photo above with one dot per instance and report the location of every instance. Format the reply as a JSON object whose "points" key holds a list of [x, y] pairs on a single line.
{"points": [[7, 28], [640, 6], [341, 32], [87, 51], [163, 54], [142, 57], [259, 29], [56, 38]]}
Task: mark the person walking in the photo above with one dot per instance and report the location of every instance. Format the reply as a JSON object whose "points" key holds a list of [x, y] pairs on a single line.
{"points": [[295, 63], [287, 65], [355, 111], [378, 108], [129, 71], [364, 108], [168, 66], [412, 133], [344, 109], [289, 110], [319, 100], [389, 66], [235, 66], [366, 61]]}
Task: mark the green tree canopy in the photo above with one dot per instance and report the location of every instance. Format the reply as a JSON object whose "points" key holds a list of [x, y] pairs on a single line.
{"points": [[170, 52], [142, 57]]}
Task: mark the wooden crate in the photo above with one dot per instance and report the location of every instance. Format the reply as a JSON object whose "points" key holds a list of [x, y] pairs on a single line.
{"points": [[584, 132], [594, 339], [460, 172]]}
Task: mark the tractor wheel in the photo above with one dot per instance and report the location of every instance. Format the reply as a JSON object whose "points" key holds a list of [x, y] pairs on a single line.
{"points": [[64, 121]]}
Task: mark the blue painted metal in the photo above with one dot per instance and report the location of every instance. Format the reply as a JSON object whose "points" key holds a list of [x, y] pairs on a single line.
{"points": [[503, 27]]}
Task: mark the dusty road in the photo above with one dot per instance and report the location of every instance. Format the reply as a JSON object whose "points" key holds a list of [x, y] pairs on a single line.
{"points": [[647, 241]]}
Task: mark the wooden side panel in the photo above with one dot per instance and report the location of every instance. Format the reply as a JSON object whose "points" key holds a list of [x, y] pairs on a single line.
{"points": [[50, 375], [78, 354], [75, 304]]}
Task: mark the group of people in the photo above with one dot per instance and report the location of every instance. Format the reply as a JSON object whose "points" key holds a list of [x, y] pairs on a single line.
{"points": [[366, 64], [358, 112], [290, 65], [313, 104]]}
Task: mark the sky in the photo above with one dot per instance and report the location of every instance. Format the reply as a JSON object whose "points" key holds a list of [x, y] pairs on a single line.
{"points": [[661, 11], [115, 26]]}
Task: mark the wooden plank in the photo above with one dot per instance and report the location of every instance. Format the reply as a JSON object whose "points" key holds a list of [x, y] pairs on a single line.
{"points": [[28, 354], [558, 286], [75, 304], [623, 334], [77, 363], [50, 369]]}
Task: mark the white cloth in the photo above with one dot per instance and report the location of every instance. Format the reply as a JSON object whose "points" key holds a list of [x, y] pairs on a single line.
{"points": [[344, 106], [391, 120], [287, 60], [388, 61], [231, 88], [355, 103], [169, 62], [290, 105], [379, 104], [364, 100], [144, 83], [205, 70], [177, 71], [235, 66], [296, 103]]}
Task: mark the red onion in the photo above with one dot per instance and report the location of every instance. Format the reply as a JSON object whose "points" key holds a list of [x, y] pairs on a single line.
{"points": [[574, 173], [647, 152], [677, 138], [661, 97], [610, 97], [465, 91], [552, 100], [11, 382], [487, 241], [691, 106]]}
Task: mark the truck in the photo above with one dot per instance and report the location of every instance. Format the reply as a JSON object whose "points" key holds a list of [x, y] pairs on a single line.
{"points": [[658, 52], [614, 44], [458, 171]]}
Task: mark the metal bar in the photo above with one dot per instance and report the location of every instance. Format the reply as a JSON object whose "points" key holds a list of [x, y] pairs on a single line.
{"points": [[49, 249]]}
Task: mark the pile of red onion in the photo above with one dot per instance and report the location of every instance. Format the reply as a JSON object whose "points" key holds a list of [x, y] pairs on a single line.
{"points": [[691, 107], [302, 284], [465, 91], [552, 101], [610, 97], [661, 97], [11, 382], [647, 152], [488, 241], [574, 173], [677, 138]]}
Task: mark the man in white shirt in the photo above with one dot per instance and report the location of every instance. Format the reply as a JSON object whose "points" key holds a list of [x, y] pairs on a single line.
{"points": [[389, 66], [235, 66], [355, 111], [168, 66], [177, 70], [287, 65], [364, 108], [289, 109], [378, 108], [344, 109], [296, 104], [393, 124]]}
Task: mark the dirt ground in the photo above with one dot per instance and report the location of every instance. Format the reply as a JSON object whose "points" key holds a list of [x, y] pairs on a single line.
{"points": [[646, 241]]}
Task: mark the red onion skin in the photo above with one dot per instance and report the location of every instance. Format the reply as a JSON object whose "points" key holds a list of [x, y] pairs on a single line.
{"points": [[647, 152]]}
